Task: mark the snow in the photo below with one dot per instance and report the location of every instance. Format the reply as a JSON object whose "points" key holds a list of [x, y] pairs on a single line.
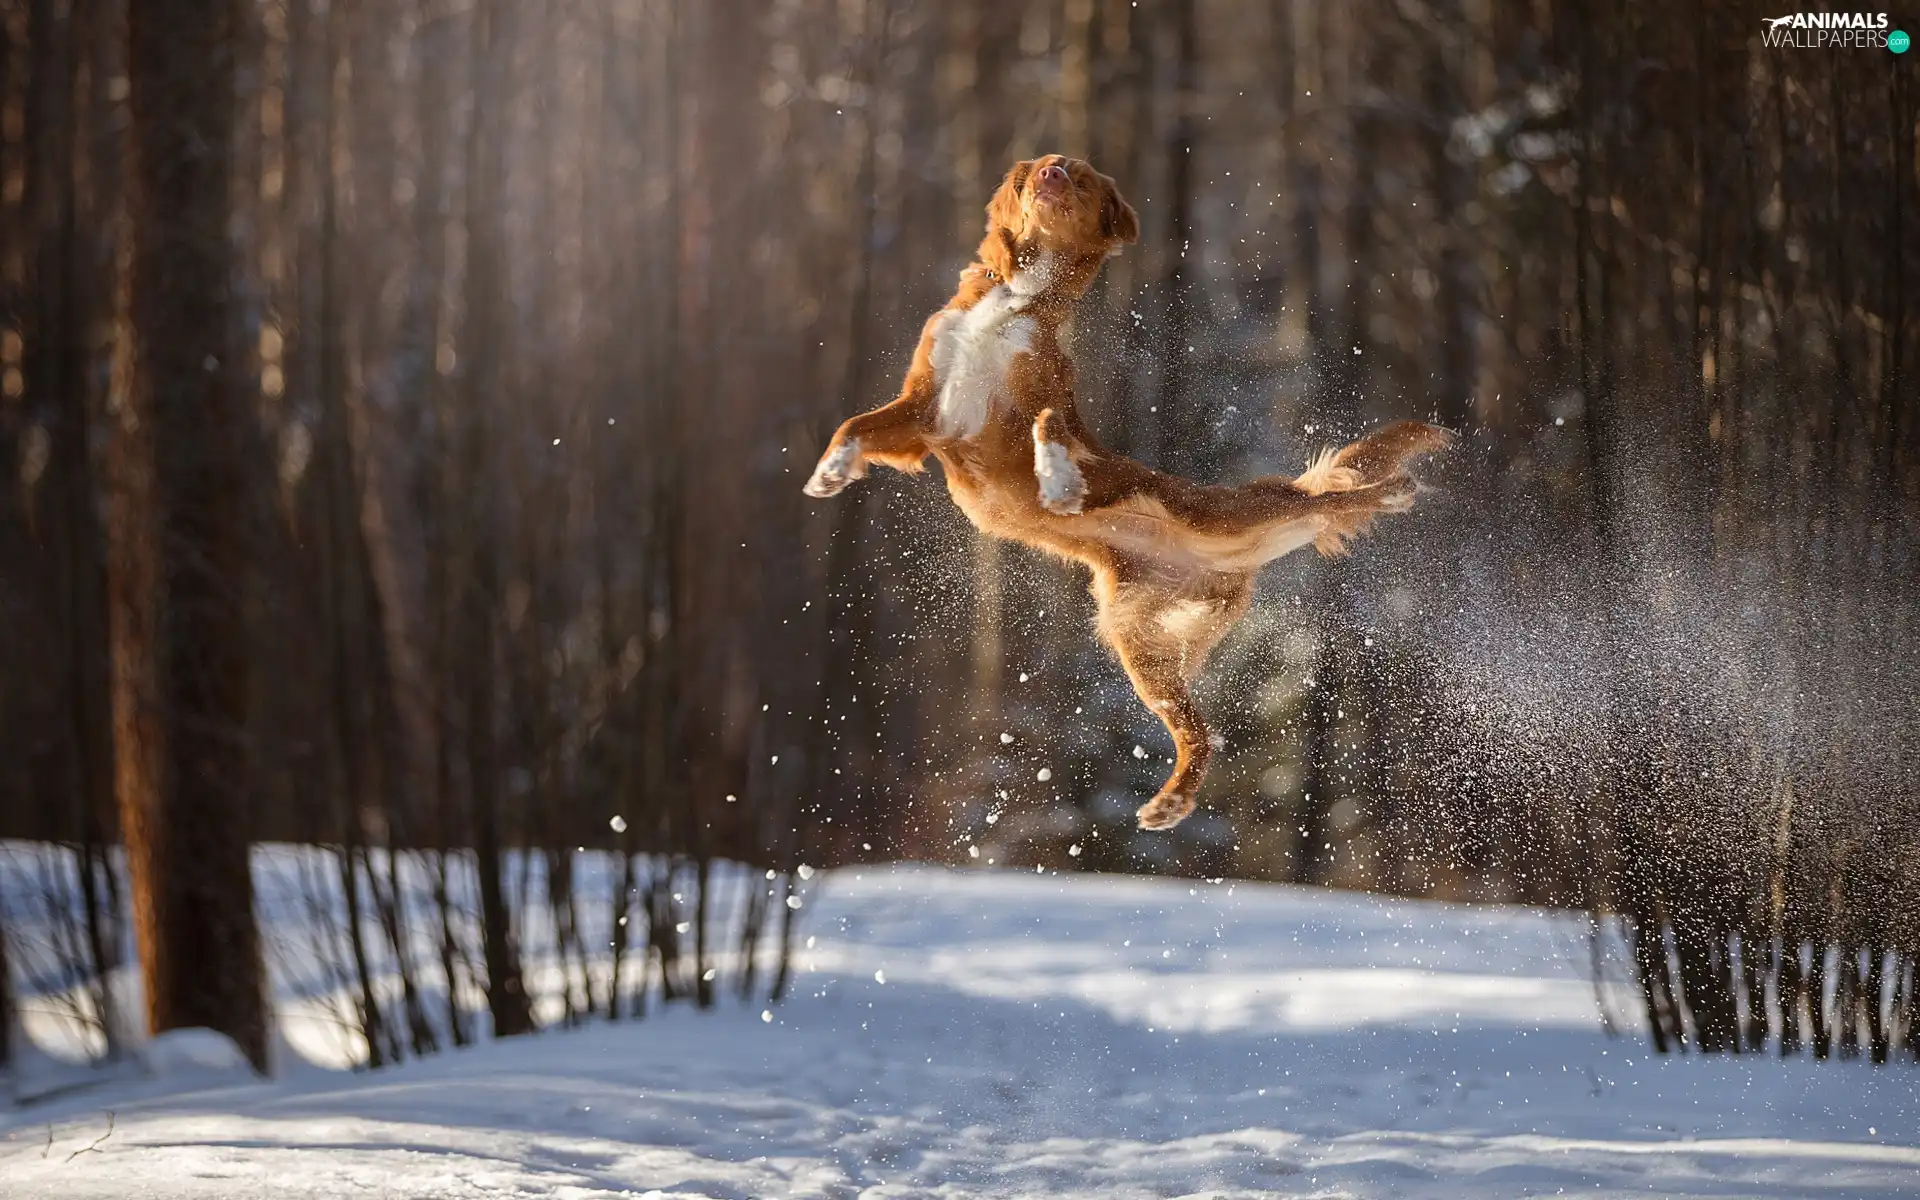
{"points": [[1002, 1033], [193, 1054]]}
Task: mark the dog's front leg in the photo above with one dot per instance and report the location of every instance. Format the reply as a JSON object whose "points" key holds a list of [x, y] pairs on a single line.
{"points": [[1063, 488], [839, 465], [894, 436]]}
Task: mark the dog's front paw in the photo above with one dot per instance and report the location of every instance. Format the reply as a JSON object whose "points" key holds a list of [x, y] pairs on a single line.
{"points": [[1164, 811], [1063, 489], [838, 467]]}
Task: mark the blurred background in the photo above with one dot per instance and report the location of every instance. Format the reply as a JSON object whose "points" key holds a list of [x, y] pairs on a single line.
{"points": [[402, 452]]}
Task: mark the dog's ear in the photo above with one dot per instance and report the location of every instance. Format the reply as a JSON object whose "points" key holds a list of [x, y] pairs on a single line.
{"points": [[998, 252], [1003, 211], [1003, 222], [1118, 221]]}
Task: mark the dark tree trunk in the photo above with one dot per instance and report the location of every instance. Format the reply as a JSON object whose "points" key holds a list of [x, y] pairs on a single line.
{"points": [[391, 904], [372, 1021], [179, 551], [450, 958], [478, 642], [1319, 748], [1792, 991], [73, 251], [783, 973], [622, 913], [1453, 300], [1306, 96], [1182, 446]]}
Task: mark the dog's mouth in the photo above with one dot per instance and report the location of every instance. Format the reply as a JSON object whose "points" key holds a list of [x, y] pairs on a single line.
{"points": [[1053, 206]]}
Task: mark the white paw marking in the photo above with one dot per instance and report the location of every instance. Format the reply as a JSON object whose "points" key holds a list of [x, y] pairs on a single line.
{"points": [[836, 470], [1063, 489]]}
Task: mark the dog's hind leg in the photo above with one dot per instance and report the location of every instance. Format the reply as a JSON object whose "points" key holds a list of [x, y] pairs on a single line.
{"points": [[1163, 632]]}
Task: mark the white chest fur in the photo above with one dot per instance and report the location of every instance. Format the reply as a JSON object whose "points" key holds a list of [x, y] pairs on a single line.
{"points": [[973, 350]]}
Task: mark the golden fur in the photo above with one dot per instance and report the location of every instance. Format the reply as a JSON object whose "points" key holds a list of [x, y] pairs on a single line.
{"points": [[990, 394]]}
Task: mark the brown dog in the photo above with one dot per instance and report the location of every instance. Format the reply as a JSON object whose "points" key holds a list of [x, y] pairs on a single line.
{"points": [[990, 394]]}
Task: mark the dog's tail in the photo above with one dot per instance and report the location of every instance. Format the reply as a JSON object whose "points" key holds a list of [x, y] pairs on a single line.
{"points": [[1386, 452], [1326, 474], [1378, 460]]}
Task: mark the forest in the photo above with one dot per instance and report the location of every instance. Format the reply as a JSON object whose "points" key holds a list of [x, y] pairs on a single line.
{"points": [[404, 406]]}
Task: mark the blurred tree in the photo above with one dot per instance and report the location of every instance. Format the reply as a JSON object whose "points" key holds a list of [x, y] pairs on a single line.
{"points": [[179, 548]]}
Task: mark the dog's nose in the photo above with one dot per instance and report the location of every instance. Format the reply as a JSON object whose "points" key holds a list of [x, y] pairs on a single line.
{"points": [[1053, 176]]}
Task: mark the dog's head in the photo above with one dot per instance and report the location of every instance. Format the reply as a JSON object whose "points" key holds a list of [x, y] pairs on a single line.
{"points": [[1055, 203]]}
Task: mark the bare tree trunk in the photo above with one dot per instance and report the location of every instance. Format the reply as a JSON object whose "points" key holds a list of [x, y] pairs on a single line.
{"points": [[1816, 991], [391, 907], [663, 931], [478, 641], [702, 908], [1791, 989], [341, 576], [568, 951], [1305, 77], [449, 950], [757, 892], [1180, 448], [1319, 748], [645, 942], [783, 975], [1453, 299], [179, 544], [372, 1023], [1879, 1031], [622, 913], [73, 181]]}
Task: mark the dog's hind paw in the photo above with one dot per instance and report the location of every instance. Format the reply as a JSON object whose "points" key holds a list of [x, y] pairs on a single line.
{"points": [[1164, 811], [1396, 494], [838, 467]]}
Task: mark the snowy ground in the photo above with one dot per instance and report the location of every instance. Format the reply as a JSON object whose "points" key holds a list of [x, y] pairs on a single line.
{"points": [[998, 1034]]}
